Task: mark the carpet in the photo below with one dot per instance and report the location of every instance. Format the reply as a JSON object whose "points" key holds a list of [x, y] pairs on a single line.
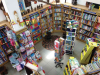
{"points": [[49, 44]]}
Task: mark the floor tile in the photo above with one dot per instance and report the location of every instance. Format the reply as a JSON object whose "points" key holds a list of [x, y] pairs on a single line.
{"points": [[47, 61]]}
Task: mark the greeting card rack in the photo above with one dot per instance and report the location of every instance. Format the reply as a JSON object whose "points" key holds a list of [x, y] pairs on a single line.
{"points": [[59, 51]]}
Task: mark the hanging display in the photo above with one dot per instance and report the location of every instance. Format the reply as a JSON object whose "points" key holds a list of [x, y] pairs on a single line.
{"points": [[16, 17]]}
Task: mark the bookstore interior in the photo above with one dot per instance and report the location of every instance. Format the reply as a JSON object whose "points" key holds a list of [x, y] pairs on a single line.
{"points": [[49, 37]]}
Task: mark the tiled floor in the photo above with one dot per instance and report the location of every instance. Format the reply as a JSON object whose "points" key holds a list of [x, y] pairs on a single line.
{"points": [[48, 59]]}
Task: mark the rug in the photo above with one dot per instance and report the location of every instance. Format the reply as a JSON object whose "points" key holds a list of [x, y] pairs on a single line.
{"points": [[49, 44]]}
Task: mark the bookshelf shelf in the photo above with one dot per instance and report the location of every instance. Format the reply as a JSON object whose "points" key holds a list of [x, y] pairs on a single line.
{"points": [[86, 30]]}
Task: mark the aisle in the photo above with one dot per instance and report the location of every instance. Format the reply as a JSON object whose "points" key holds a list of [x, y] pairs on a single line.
{"points": [[48, 59]]}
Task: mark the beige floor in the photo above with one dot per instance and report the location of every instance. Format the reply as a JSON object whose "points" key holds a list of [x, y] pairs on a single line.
{"points": [[48, 59]]}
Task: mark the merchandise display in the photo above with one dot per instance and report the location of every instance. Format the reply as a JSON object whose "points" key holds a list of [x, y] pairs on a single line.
{"points": [[25, 26], [3, 58], [59, 50], [71, 27], [16, 61], [87, 51]]}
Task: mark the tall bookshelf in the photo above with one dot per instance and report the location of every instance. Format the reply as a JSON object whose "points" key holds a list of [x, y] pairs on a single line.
{"points": [[44, 23], [66, 14], [57, 18], [3, 57], [55, 21], [50, 19]]}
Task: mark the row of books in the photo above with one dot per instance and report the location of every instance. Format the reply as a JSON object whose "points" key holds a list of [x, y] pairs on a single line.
{"points": [[36, 33], [50, 23], [34, 26], [75, 18], [57, 14], [70, 34], [66, 11], [37, 38], [65, 19], [51, 30], [2, 60], [96, 35], [65, 15], [70, 38], [85, 32], [69, 47], [4, 40], [2, 57], [34, 16], [57, 18], [86, 27], [76, 13], [82, 37], [49, 16], [2, 54], [44, 20], [69, 42], [89, 17], [44, 27], [57, 10], [58, 28], [56, 22], [91, 68], [45, 30], [91, 23], [44, 34]]}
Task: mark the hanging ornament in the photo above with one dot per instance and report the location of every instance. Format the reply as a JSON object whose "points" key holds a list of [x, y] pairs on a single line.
{"points": [[27, 22], [13, 22], [16, 17]]}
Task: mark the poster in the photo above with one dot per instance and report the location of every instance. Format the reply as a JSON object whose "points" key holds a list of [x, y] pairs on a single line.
{"points": [[21, 5]]}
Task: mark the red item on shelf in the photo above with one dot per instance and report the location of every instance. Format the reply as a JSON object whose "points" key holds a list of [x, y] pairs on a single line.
{"points": [[39, 34], [35, 41], [36, 25], [1, 42]]}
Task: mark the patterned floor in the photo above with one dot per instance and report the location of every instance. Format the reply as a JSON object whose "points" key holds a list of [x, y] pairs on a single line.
{"points": [[49, 44]]}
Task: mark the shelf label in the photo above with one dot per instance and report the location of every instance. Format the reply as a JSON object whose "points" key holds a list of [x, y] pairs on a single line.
{"points": [[33, 14], [1, 27], [89, 12], [43, 10], [24, 17], [66, 6], [76, 8], [58, 5]]}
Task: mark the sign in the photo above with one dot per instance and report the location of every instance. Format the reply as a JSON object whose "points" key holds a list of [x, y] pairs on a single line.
{"points": [[89, 12], [66, 6], [76, 8]]}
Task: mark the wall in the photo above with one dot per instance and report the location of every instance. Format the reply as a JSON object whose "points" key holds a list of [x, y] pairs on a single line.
{"points": [[10, 7], [2, 16], [83, 2]]}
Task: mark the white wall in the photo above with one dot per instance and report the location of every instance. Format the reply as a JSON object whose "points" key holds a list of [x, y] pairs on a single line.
{"points": [[10, 7], [2, 16], [83, 2]]}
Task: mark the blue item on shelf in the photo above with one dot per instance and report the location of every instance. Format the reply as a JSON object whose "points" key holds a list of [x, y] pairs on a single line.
{"points": [[15, 55]]}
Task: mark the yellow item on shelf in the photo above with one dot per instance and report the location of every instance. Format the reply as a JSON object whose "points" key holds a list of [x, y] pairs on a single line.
{"points": [[87, 54]]}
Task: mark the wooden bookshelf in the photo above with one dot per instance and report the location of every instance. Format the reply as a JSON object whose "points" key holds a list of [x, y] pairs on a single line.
{"points": [[77, 8]]}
